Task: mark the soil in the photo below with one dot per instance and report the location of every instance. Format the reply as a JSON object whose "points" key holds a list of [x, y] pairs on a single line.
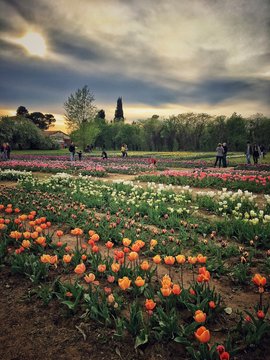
{"points": [[29, 331]]}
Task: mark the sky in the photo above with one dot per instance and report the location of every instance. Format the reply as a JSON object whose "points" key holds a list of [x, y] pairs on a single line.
{"points": [[162, 57]]}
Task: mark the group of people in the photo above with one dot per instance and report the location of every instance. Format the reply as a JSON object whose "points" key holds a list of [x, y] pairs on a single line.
{"points": [[5, 151], [104, 155], [72, 152], [255, 151], [221, 155]]}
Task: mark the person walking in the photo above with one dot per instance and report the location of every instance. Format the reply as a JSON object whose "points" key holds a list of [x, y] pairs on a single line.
{"points": [[256, 153], [72, 150], [104, 153], [219, 155], [225, 150], [248, 152]]}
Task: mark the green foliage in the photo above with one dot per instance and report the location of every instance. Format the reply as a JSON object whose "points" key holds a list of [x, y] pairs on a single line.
{"points": [[79, 108], [23, 134]]}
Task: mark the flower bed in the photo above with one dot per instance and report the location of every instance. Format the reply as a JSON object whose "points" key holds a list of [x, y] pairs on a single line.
{"points": [[197, 178]]}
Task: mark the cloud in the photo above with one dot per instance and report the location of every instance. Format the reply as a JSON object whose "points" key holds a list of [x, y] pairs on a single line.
{"points": [[205, 54]]}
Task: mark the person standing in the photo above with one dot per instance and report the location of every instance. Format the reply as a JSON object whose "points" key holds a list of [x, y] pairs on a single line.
{"points": [[219, 155], [123, 150], [248, 152], [72, 151], [225, 150], [256, 153]]}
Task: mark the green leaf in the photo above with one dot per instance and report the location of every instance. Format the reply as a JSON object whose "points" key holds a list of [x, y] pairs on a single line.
{"points": [[141, 339]]}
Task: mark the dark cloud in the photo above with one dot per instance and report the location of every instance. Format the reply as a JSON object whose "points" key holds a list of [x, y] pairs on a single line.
{"points": [[223, 68]]}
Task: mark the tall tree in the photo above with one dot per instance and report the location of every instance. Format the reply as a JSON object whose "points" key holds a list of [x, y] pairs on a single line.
{"points": [[79, 109], [42, 121], [22, 111], [119, 114], [101, 114]]}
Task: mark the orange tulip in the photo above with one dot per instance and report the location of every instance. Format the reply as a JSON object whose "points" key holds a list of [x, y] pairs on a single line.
{"points": [[45, 258], [23, 217], [119, 254], [140, 243], [109, 244], [169, 260], [84, 257], [176, 290], [80, 269], [126, 242], [91, 232], [150, 304], [15, 235], [53, 259], [95, 249], [145, 265], [139, 281], [192, 260], [2, 226], [41, 240], [115, 267], [76, 231], [204, 275], [124, 283], [38, 229], [67, 258], [135, 247], [259, 280], [199, 316], [34, 235], [89, 278], [202, 334], [101, 268], [95, 237], [201, 259], [166, 291], [157, 259], [181, 259], [59, 233], [26, 244], [27, 235], [166, 281], [133, 256]]}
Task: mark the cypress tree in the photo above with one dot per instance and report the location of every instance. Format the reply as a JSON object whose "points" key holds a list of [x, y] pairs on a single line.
{"points": [[119, 114]]}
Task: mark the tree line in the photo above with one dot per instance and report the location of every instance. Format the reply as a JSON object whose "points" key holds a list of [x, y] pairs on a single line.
{"points": [[88, 125], [187, 131]]}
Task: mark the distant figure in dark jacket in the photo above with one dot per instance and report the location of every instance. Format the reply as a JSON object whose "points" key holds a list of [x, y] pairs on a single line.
{"points": [[256, 153], [104, 153], [8, 149], [72, 151], [219, 155]]}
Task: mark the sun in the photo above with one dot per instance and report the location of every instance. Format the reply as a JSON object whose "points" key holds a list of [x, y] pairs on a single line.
{"points": [[34, 43]]}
